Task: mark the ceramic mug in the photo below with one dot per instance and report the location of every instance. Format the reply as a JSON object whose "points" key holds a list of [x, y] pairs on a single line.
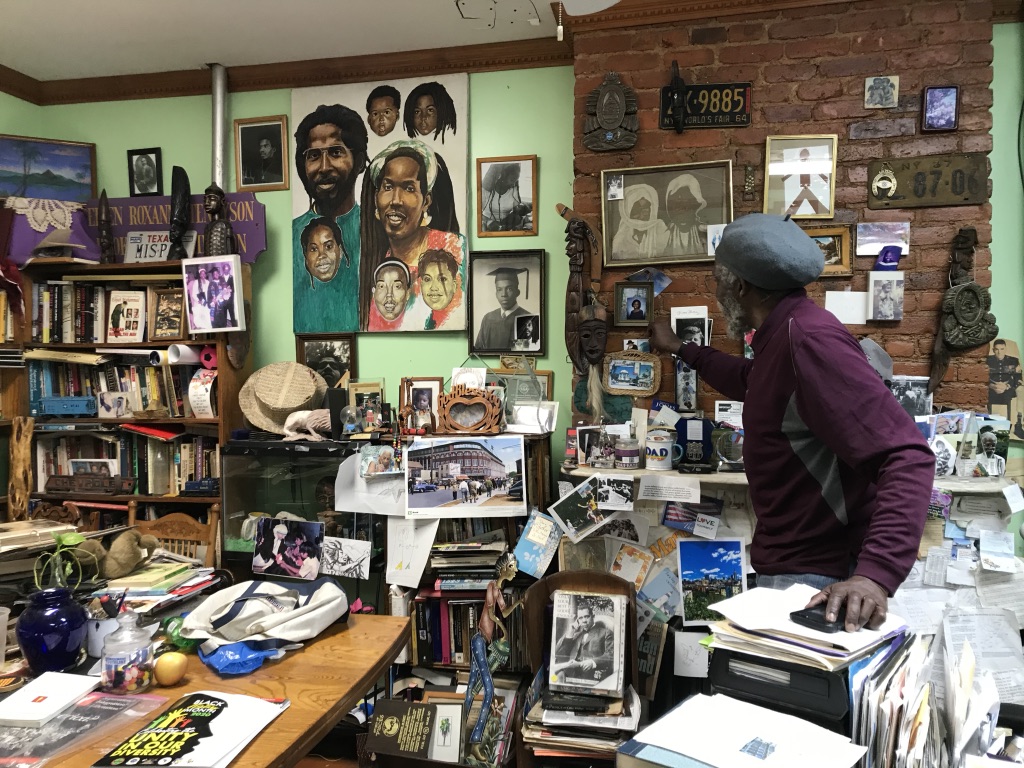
{"points": [[662, 450]]}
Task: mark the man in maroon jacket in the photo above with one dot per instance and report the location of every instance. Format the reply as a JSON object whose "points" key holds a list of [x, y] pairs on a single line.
{"points": [[840, 476]]}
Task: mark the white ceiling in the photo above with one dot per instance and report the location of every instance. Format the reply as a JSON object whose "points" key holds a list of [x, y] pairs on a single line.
{"points": [[66, 39]]}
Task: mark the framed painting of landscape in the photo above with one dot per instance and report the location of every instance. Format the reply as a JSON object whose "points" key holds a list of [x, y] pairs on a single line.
{"points": [[47, 168]]}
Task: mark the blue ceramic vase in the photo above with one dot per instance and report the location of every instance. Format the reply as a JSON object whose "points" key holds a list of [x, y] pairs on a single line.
{"points": [[51, 631]]}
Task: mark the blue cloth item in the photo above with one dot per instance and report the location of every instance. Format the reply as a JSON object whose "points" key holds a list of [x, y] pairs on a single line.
{"points": [[479, 670], [889, 258], [238, 658], [771, 252]]}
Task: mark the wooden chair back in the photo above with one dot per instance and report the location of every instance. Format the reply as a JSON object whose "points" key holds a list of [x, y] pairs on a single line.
{"points": [[183, 535]]}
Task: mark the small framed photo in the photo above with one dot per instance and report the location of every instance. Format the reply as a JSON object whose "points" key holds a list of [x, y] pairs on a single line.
{"points": [[633, 303], [636, 345], [885, 292], [801, 176], [167, 314], [332, 355], [834, 242], [660, 215], [881, 92], [940, 108], [366, 396], [522, 387], [506, 302], [632, 373], [506, 189], [95, 467], [261, 154], [422, 394], [213, 303], [145, 172]]}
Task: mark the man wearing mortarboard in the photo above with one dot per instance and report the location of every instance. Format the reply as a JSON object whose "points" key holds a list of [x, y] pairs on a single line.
{"points": [[497, 328]]}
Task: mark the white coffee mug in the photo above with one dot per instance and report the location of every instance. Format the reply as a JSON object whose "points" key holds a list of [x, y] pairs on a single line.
{"points": [[661, 450]]}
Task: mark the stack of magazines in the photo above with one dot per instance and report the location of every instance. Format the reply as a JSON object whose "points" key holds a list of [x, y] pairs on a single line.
{"points": [[582, 707]]}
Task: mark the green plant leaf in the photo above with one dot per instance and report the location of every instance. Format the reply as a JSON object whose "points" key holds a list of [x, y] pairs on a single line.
{"points": [[71, 539]]}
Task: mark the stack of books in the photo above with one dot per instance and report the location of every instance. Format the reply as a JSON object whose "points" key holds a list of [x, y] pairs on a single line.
{"points": [[156, 585], [583, 708], [757, 622]]}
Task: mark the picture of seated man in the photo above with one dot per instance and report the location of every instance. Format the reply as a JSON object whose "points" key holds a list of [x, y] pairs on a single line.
{"points": [[587, 651]]}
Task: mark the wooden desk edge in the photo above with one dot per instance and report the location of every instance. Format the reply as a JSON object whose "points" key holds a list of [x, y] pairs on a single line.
{"points": [[332, 716]]}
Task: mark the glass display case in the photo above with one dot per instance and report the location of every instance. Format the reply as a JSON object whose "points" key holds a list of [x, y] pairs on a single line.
{"points": [[263, 479]]}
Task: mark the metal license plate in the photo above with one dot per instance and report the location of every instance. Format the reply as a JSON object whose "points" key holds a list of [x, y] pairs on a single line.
{"points": [[712, 105], [927, 182], [154, 246]]}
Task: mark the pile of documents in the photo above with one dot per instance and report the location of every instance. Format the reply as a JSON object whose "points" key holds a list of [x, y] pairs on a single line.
{"points": [[593, 735], [757, 622]]}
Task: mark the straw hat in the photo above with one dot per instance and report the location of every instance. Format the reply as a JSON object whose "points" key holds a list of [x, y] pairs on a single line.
{"points": [[271, 394]]}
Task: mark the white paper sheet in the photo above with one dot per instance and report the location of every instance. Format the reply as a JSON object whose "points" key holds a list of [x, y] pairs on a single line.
{"points": [[379, 494], [691, 658], [994, 636], [408, 549], [1014, 497], [668, 487], [1002, 590], [997, 551], [727, 733], [849, 307], [922, 608]]}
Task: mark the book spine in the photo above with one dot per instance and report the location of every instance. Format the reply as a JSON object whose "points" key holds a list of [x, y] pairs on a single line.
{"points": [[434, 607], [456, 622], [424, 649], [35, 387]]}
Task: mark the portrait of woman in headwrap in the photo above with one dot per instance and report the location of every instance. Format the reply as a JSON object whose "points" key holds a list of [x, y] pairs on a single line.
{"points": [[687, 232], [641, 235]]}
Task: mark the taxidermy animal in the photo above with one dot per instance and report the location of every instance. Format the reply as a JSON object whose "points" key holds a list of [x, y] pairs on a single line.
{"points": [[306, 425]]}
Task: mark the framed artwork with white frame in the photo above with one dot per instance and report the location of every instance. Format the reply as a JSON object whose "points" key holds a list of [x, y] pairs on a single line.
{"points": [[212, 302], [801, 176]]}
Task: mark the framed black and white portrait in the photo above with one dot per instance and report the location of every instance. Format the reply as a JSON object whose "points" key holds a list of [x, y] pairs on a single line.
{"points": [[881, 92], [145, 172], [261, 154], [506, 302], [332, 355], [506, 196], [660, 215], [885, 294]]}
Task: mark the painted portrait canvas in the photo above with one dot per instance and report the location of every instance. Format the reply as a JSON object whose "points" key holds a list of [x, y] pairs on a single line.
{"points": [[380, 206]]}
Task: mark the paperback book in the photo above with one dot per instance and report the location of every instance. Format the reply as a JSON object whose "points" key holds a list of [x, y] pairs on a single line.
{"points": [[588, 643], [127, 317]]}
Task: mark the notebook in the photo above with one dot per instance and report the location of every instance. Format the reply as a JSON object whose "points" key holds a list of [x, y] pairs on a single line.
{"points": [[44, 698]]}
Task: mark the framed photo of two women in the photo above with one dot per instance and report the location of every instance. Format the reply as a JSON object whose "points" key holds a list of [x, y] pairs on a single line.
{"points": [[661, 215]]}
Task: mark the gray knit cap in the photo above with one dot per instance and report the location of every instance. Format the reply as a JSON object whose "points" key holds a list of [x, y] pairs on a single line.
{"points": [[771, 252]]}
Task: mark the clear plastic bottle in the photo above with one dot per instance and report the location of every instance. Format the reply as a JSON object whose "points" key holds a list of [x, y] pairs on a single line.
{"points": [[127, 657]]}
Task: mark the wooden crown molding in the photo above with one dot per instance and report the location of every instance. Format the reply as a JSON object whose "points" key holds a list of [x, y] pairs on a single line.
{"points": [[525, 54], [635, 13]]}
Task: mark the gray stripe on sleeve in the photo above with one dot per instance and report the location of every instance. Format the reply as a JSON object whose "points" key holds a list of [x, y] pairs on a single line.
{"points": [[820, 461]]}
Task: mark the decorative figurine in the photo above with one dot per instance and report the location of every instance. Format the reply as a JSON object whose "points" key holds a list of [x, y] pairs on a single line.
{"points": [[105, 236], [181, 194], [611, 121], [966, 321], [220, 238], [485, 657]]}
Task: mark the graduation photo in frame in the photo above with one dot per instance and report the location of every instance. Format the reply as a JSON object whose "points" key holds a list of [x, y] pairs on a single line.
{"points": [[506, 302], [660, 215]]}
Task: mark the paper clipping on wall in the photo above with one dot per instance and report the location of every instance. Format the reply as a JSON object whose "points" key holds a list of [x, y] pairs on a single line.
{"points": [[669, 487], [377, 494], [345, 557], [408, 549]]}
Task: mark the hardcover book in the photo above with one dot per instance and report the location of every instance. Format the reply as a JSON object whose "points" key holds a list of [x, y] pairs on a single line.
{"points": [[126, 321], [588, 643], [149, 575]]}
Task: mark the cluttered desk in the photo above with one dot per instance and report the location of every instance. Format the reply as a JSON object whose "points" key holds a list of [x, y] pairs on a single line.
{"points": [[323, 681]]}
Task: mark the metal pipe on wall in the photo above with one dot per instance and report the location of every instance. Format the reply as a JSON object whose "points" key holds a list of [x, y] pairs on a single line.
{"points": [[220, 100]]}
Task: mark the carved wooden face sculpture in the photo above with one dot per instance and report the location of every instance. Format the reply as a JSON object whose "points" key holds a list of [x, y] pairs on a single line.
{"points": [[593, 336]]}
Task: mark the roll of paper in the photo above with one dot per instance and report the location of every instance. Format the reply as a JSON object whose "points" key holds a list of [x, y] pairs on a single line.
{"points": [[208, 357], [182, 354], [159, 357]]}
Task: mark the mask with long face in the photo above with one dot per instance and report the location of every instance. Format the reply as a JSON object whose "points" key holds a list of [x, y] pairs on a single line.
{"points": [[593, 336]]}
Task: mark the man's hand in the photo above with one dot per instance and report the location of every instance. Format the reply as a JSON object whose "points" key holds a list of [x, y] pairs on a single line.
{"points": [[866, 602], [662, 337], [588, 665]]}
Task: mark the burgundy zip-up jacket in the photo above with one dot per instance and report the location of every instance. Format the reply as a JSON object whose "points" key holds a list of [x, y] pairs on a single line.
{"points": [[840, 476]]}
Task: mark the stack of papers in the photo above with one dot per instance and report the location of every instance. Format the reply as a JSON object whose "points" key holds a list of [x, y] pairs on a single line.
{"points": [[757, 622]]}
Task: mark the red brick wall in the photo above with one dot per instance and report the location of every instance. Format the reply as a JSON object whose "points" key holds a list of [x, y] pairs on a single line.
{"points": [[808, 67]]}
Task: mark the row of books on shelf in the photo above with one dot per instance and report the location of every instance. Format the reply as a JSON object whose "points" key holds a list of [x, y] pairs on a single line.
{"points": [[120, 388], [162, 460], [73, 312], [444, 624]]}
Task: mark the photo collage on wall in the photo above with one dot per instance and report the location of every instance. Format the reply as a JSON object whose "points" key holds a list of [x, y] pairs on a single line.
{"points": [[380, 206]]}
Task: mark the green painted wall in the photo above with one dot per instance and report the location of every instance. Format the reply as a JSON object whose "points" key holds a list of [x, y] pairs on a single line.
{"points": [[1007, 194], [511, 113]]}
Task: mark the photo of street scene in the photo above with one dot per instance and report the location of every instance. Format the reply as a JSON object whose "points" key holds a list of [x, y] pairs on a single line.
{"points": [[465, 477], [710, 570]]}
